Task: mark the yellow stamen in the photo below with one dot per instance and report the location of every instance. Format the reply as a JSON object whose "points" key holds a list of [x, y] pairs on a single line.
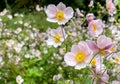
{"points": [[57, 38], [112, 49], [108, 5], [102, 52], [19, 80], [94, 27], [93, 62], [80, 57], [117, 59], [60, 15]]}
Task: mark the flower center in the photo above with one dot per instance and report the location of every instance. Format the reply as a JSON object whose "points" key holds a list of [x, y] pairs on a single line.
{"points": [[112, 49], [60, 15], [19, 80], [94, 27], [57, 38], [93, 62], [102, 52], [117, 59], [80, 56], [108, 5]]}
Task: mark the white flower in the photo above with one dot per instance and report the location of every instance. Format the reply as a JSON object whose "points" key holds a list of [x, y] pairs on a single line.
{"points": [[38, 8], [9, 43], [18, 47], [26, 24], [18, 30], [115, 58], [57, 36], [60, 13], [20, 22], [19, 79], [9, 16]]}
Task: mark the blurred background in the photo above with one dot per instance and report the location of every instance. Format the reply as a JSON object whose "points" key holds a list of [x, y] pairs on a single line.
{"points": [[17, 5]]}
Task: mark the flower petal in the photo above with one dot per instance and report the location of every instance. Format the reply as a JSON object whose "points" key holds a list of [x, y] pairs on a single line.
{"points": [[92, 46], [68, 13], [80, 66], [61, 6], [75, 49], [103, 41], [51, 19], [84, 47], [69, 58], [51, 11]]}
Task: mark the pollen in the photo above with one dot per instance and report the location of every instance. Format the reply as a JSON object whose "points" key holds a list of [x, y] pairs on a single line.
{"points": [[80, 57], [60, 15], [57, 38]]}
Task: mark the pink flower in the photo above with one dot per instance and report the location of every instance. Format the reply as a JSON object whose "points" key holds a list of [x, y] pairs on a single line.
{"points": [[116, 82], [60, 13], [90, 17], [102, 46], [79, 56], [95, 27], [56, 37], [110, 7]]}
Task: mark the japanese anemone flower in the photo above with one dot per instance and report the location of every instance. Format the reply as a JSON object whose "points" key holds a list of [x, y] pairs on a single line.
{"points": [[95, 27], [56, 37], [60, 13], [79, 56], [110, 7], [103, 45]]}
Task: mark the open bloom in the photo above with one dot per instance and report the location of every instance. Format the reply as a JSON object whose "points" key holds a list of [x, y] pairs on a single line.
{"points": [[19, 79], [56, 37], [103, 45], [115, 58], [79, 56], [110, 7], [60, 13], [95, 27]]}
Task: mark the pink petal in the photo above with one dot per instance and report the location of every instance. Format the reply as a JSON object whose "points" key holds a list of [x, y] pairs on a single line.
{"points": [[68, 13], [84, 47], [105, 77], [69, 58], [61, 6], [61, 31], [108, 46], [103, 41], [51, 11], [75, 49], [92, 46]]}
